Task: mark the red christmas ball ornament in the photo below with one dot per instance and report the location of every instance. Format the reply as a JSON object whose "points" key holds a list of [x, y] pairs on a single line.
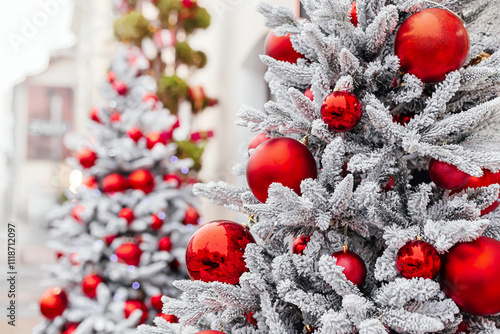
{"points": [[111, 76], [389, 185], [86, 157], [70, 327], [89, 285], [120, 87], [109, 239], [300, 244], [115, 117], [447, 176], [418, 258], [131, 305], [257, 140], [308, 93], [191, 216], [172, 179], [94, 114], [354, 266], [157, 221], [210, 331], [114, 183], [154, 138], [432, 43], [165, 244], [470, 276], [91, 182], [486, 180], [74, 259], [250, 318], [280, 48], [150, 98], [156, 301], [169, 318], [142, 179], [127, 214], [135, 133], [354, 14], [403, 118], [215, 252], [129, 253], [283, 160], [53, 302], [77, 211], [341, 111]]}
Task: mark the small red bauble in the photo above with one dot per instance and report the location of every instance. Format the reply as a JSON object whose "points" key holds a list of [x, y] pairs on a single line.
{"points": [[77, 211], [131, 305], [94, 114], [486, 180], [150, 98], [53, 302], [89, 285], [191, 216], [74, 259], [114, 183], [447, 176], [169, 318], [129, 253], [156, 221], [109, 239], [111, 76], [432, 43], [250, 318], [156, 301], [173, 180], [135, 133], [115, 117], [341, 111], [300, 244], [142, 179], [86, 157], [403, 119], [283, 160], [354, 266], [215, 252], [165, 244], [128, 214], [154, 138], [308, 93], [418, 258], [280, 48], [257, 140], [91, 182], [210, 331], [470, 276], [354, 14], [120, 87], [70, 328], [390, 184]]}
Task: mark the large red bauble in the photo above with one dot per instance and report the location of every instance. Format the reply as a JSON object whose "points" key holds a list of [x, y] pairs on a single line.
{"points": [[114, 183], [131, 305], [257, 140], [418, 258], [142, 179], [354, 14], [129, 253], [169, 318], [156, 301], [191, 217], [432, 43], [280, 48], [354, 266], [135, 133], [470, 276], [86, 157], [341, 111], [89, 285], [447, 176], [486, 180], [300, 244], [283, 160], [165, 244], [215, 252], [53, 302], [128, 214]]}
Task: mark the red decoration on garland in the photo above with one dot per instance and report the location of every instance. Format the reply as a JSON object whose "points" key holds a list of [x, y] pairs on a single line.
{"points": [[354, 266], [432, 43], [114, 183], [157, 221], [341, 111], [156, 301], [257, 140], [86, 157], [131, 305], [280, 48], [129, 253], [354, 14], [447, 176], [169, 318], [173, 179], [283, 160], [115, 117], [53, 302], [77, 211], [165, 244], [308, 93], [418, 258], [191, 216], [120, 87], [486, 180], [469, 276], [135, 133], [94, 114], [128, 214], [142, 179], [300, 244], [89, 285], [215, 252], [154, 138]]}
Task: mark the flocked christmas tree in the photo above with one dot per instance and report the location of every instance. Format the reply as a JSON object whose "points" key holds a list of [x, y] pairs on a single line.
{"points": [[121, 236], [374, 200]]}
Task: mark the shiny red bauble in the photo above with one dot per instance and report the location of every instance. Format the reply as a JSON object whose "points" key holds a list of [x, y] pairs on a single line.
{"points": [[257, 140], [215, 252], [354, 14], [53, 302], [77, 211], [127, 214], [135, 133], [418, 258], [114, 183], [120, 87], [165, 244], [173, 180], [486, 180], [131, 305], [129, 253], [283, 160], [156, 301], [308, 93], [70, 328], [432, 43], [154, 138], [354, 266], [157, 221], [94, 114], [191, 216], [86, 157], [280, 48], [470, 276], [341, 111], [169, 318], [447, 176], [142, 179], [89, 285], [108, 239], [300, 244]]}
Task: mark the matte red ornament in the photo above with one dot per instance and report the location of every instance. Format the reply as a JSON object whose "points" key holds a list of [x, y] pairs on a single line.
{"points": [[470, 276], [53, 302], [156, 301], [135, 133], [308, 93], [432, 43], [156, 221], [77, 211], [89, 285], [127, 214], [86, 157], [191, 216], [215, 252], [131, 305], [280, 48], [447, 176], [418, 258], [283, 160], [111, 76], [486, 180], [90, 182], [300, 244], [165, 244], [129, 253], [154, 138], [115, 117], [354, 14], [94, 114], [120, 87], [142, 179], [169, 318], [114, 183], [173, 180], [257, 140], [354, 266], [341, 111]]}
